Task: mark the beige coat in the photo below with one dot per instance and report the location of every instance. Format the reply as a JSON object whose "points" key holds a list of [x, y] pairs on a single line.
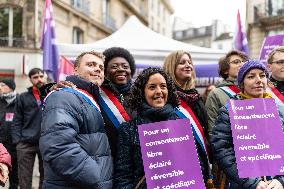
{"points": [[215, 100]]}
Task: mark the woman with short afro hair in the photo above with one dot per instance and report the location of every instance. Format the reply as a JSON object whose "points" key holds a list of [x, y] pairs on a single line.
{"points": [[119, 68]]}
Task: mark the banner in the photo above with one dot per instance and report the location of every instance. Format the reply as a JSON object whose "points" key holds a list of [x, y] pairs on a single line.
{"points": [[258, 137], [169, 155], [269, 43]]}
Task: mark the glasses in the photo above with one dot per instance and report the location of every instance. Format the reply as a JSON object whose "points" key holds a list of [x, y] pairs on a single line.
{"points": [[237, 61], [279, 62]]}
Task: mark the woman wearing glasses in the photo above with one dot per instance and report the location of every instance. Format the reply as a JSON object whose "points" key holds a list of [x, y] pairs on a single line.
{"points": [[229, 67]]}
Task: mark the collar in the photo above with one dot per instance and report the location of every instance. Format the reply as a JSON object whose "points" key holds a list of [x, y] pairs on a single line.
{"points": [[276, 82], [244, 96]]}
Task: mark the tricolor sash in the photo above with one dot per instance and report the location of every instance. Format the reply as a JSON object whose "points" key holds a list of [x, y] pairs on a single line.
{"points": [[82, 93], [230, 90], [275, 93], [112, 107], [184, 111]]}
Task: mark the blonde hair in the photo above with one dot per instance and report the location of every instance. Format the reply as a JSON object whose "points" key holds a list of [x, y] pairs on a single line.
{"points": [[170, 64]]}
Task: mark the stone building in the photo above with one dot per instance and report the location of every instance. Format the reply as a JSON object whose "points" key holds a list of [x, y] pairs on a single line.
{"points": [[76, 21], [264, 18]]}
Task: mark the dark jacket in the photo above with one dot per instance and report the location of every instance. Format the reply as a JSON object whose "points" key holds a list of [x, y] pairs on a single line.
{"points": [[279, 85], [129, 164], [27, 119], [73, 143], [7, 115], [223, 151]]}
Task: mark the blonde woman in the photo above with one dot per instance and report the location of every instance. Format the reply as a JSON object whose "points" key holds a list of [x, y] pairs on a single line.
{"points": [[179, 66]]}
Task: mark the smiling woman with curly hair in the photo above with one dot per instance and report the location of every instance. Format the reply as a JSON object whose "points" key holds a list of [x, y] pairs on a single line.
{"points": [[153, 96], [137, 96]]}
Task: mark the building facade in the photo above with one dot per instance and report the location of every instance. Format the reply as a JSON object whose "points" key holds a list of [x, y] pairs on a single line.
{"points": [[76, 21], [216, 35], [264, 18], [159, 13]]}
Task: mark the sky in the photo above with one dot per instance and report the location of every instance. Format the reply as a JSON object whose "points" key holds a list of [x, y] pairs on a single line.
{"points": [[202, 12]]}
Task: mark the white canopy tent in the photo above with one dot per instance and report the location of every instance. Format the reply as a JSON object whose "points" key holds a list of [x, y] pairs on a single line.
{"points": [[148, 47]]}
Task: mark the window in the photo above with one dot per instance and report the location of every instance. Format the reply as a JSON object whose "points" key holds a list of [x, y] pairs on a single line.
{"points": [[190, 33], [11, 26], [81, 5], [178, 34], [202, 31], [77, 35]]}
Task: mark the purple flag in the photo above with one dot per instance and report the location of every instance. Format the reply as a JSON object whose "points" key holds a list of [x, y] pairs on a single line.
{"points": [[50, 51], [240, 40]]}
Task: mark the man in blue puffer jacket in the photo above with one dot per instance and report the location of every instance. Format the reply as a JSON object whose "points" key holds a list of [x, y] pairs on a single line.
{"points": [[73, 143]]}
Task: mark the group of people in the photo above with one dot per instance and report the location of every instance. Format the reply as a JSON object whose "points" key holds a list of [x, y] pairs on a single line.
{"points": [[85, 130]]}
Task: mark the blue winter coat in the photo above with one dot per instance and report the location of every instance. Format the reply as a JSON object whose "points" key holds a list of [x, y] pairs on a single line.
{"points": [[73, 144]]}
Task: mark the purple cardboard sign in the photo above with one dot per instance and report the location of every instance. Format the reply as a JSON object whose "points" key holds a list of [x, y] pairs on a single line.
{"points": [[169, 155], [258, 137], [269, 43]]}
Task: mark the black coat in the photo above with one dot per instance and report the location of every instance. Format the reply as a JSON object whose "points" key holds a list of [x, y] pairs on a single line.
{"points": [[6, 123], [223, 151], [129, 164], [27, 120], [73, 143]]}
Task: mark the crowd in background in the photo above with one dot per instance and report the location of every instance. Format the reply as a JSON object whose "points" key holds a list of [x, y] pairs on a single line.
{"points": [[85, 130]]}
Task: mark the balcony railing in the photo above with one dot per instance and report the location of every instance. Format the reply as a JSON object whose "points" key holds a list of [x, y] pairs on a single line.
{"points": [[17, 42]]}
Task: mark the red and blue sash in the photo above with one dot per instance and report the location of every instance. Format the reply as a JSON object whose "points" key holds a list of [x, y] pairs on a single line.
{"points": [[230, 90], [82, 93], [184, 111], [275, 93], [112, 107]]}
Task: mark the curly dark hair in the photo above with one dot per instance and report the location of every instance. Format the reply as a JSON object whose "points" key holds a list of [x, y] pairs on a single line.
{"points": [[137, 96], [114, 52]]}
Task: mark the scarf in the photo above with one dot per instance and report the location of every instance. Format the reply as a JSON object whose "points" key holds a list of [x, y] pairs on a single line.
{"points": [[265, 95], [123, 89], [157, 114], [85, 85], [188, 96], [8, 97]]}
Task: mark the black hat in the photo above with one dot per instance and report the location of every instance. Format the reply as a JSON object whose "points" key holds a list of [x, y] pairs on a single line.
{"points": [[114, 52], [10, 83]]}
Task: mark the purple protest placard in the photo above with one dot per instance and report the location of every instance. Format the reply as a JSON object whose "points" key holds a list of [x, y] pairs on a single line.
{"points": [[269, 43], [169, 155], [258, 137]]}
